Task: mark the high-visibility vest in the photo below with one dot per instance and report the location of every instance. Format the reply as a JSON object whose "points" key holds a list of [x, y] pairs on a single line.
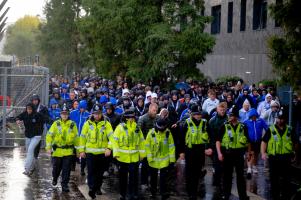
{"points": [[160, 148], [196, 134], [95, 137], [234, 139], [128, 143], [278, 145], [61, 138]]}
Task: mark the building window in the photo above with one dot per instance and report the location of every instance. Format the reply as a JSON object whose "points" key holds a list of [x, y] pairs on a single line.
{"points": [[230, 17], [243, 11], [278, 3], [216, 23], [259, 14]]}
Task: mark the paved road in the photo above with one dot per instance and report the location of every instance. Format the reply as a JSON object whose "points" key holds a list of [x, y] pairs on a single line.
{"points": [[16, 186]]}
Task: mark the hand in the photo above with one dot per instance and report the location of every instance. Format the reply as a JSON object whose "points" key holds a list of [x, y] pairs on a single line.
{"points": [[116, 157], [264, 156], [208, 152], [249, 156], [107, 152], [82, 155], [174, 126], [182, 156], [49, 152], [220, 157], [18, 122]]}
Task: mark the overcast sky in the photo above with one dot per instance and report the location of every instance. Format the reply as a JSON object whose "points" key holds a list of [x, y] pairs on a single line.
{"points": [[19, 8]]}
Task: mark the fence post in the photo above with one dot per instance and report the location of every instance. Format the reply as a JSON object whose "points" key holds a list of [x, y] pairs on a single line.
{"points": [[4, 107]]}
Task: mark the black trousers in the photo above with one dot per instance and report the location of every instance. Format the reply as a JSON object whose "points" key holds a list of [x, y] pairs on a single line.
{"points": [[144, 172], [218, 169], [62, 164], [154, 180], [279, 176], [234, 159], [83, 163], [195, 160], [128, 178], [95, 166]]}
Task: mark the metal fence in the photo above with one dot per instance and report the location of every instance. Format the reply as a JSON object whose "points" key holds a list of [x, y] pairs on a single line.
{"points": [[17, 85]]}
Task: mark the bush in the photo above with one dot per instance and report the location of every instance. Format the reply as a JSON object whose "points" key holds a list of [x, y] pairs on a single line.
{"points": [[269, 83], [226, 79]]}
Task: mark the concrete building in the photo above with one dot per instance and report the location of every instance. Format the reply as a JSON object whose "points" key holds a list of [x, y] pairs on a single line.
{"points": [[241, 29]]}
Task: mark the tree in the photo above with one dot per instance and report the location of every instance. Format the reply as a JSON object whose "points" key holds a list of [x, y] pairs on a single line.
{"points": [[285, 50], [22, 37], [59, 41], [140, 39]]}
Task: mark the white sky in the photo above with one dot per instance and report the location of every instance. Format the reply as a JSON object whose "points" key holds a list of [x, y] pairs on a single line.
{"points": [[19, 8]]}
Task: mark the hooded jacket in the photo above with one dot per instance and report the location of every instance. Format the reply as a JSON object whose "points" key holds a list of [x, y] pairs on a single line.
{"points": [[263, 106], [80, 117], [33, 123], [255, 128]]}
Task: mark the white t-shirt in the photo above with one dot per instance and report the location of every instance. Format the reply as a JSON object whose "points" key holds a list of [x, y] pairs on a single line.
{"points": [[209, 105]]}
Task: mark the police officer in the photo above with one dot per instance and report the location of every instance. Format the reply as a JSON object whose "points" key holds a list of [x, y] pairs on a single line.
{"points": [[278, 144], [60, 141], [94, 146], [231, 146], [160, 150], [128, 149], [193, 144]]}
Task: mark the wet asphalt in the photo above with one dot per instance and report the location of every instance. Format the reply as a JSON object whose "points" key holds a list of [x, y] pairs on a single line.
{"points": [[16, 186]]}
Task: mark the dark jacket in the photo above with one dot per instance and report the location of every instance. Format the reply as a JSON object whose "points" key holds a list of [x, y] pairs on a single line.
{"points": [[145, 123], [114, 119], [33, 123], [215, 124]]}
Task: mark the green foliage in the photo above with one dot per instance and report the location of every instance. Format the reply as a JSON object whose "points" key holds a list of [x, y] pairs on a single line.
{"points": [[226, 79], [21, 37], [60, 38], [140, 38], [269, 83], [285, 50]]}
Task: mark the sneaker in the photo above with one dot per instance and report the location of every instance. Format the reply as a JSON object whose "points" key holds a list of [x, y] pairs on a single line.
{"points": [[92, 194], [249, 173], [98, 192], [54, 182], [65, 189], [27, 173], [255, 170], [144, 187], [106, 174]]}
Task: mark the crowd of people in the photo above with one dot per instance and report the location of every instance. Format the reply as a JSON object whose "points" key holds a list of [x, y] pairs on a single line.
{"points": [[104, 122]]}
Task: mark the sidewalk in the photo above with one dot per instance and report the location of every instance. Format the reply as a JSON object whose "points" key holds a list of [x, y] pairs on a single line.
{"points": [[16, 186]]}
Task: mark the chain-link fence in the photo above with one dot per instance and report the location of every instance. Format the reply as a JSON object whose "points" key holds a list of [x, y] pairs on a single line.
{"points": [[17, 85]]}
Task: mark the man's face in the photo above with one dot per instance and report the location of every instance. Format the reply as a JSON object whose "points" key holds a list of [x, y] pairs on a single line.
{"points": [[174, 97], [280, 121], [269, 99], [153, 111], [82, 110], [221, 111], [97, 116], [255, 93], [246, 107], [64, 116], [64, 90], [197, 117], [229, 98], [140, 103], [232, 118], [245, 93], [72, 95], [75, 105], [29, 110], [35, 102], [274, 108], [187, 100], [109, 111], [154, 100], [212, 96]]}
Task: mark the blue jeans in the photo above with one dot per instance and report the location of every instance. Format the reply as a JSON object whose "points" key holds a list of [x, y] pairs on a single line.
{"points": [[31, 144]]}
